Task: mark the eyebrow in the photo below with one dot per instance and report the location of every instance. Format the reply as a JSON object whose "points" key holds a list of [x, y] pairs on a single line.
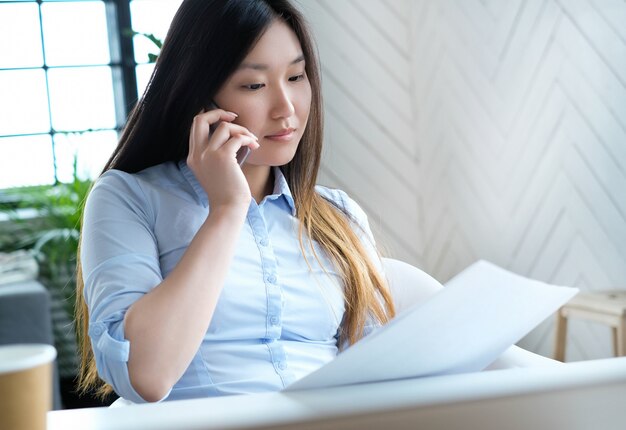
{"points": [[255, 66]]}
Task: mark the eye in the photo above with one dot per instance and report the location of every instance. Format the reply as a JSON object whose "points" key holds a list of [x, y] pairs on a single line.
{"points": [[296, 78], [253, 87]]}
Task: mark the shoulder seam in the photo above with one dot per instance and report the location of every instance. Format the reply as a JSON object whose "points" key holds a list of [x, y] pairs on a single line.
{"points": [[132, 177]]}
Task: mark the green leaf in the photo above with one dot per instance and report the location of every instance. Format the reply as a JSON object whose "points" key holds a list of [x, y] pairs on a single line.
{"points": [[151, 37]]}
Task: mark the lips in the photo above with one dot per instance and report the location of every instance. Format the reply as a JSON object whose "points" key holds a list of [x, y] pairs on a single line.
{"points": [[282, 132]]}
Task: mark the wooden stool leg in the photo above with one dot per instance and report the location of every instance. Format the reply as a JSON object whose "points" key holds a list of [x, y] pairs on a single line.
{"points": [[620, 347], [561, 335]]}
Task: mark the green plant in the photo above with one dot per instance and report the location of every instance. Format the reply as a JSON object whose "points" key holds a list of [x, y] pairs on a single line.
{"points": [[46, 220], [152, 38]]}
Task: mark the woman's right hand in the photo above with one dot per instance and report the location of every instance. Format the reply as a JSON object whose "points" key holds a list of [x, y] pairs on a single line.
{"points": [[213, 161]]}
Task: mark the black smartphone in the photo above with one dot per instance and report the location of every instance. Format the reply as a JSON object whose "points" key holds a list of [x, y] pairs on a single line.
{"points": [[243, 152]]}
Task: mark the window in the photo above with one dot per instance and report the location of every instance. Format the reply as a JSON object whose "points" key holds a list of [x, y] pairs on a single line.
{"points": [[69, 72], [149, 17]]}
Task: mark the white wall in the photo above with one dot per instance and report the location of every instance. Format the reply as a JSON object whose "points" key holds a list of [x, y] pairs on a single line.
{"points": [[371, 146], [490, 129]]}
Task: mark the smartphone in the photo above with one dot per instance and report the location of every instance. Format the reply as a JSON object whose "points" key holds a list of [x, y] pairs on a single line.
{"points": [[243, 152]]}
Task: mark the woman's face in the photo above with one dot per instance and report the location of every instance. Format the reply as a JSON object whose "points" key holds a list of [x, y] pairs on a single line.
{"points": [[271, 94]]}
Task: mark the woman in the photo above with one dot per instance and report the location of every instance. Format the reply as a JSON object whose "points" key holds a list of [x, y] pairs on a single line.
{"points": [[204, 278]]}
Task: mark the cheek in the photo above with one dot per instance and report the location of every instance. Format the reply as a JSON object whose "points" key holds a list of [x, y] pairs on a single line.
{"points": [[246, 108], [250, 119], [303, 104]]}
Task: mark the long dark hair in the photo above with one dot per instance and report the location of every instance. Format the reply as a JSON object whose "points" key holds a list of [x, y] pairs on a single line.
{"points": [[207, 41]]}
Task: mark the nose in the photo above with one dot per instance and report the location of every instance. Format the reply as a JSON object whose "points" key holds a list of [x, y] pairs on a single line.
{"points": [[282, 106]]}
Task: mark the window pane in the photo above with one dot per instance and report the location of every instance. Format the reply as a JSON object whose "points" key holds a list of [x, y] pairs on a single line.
{"points": [[20, 35], [143, 46], [92, 150], [23, 102], [26, 160], [143, 72], [81, 98], [152, 17], [75, 33]]}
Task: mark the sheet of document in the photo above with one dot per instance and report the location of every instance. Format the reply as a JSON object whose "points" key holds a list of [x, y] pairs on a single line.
{"points": [[482, 311]]}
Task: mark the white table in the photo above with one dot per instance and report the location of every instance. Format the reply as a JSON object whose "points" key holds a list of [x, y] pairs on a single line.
{"points": [[583, 395]]}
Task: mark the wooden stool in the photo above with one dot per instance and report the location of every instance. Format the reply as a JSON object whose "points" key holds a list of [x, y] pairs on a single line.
{"points": [[606, 307]]}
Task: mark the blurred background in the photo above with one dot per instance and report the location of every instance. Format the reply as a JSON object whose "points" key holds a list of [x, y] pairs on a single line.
{"points": [[467, 129]]}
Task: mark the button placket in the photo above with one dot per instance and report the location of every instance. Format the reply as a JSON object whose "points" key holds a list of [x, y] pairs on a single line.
{"points": [[270, 278]]}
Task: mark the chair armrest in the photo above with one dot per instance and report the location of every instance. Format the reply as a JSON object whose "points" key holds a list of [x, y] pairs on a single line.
{"points": [[408, 284]]}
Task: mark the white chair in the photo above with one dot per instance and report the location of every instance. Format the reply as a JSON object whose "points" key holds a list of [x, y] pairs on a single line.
{"points": [[410, 285]]}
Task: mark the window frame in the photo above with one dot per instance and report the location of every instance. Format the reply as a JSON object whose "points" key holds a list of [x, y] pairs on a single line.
{"points": [[122, 65]]}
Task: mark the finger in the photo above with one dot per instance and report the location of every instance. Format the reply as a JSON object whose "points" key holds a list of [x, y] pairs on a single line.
{"points": [[239, 129], [234, 144], [215, 115], [198, 134], [194, 135], [225, 115], [201, 125], [225, 131]]}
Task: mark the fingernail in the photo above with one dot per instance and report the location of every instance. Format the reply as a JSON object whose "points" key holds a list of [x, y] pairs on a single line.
{"points": [[233, 114]]}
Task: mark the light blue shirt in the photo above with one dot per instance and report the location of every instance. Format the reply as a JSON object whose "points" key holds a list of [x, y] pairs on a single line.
{"points": [[276, 320]]}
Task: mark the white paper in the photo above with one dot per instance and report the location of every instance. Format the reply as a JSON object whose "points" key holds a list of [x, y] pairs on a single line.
{"points": [[478, 315]]}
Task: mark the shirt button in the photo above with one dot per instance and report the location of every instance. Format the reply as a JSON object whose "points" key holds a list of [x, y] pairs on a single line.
{"points": [[282, 365], [264, 242], [271, 279], [274, 320], [98, 330]]}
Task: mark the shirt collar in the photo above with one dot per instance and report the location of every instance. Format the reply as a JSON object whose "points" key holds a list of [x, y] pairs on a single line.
{"points": [[281, 188]]}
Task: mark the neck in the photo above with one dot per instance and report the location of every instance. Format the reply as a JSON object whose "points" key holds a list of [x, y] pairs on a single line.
{"points": [[260, 179]]}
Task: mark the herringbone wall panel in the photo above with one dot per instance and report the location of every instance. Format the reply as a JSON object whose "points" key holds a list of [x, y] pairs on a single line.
{"points": [[371, 145], [491, 129]]}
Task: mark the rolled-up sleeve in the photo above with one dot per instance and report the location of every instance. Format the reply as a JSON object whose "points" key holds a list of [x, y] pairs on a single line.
{"points": [[120, 263]]}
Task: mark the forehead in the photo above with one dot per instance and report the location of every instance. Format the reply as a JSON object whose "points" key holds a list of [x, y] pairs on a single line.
{"points": [[277, 47]]}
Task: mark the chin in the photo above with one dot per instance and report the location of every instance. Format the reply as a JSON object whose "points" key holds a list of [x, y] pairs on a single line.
{"points": [[275, 159]]}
